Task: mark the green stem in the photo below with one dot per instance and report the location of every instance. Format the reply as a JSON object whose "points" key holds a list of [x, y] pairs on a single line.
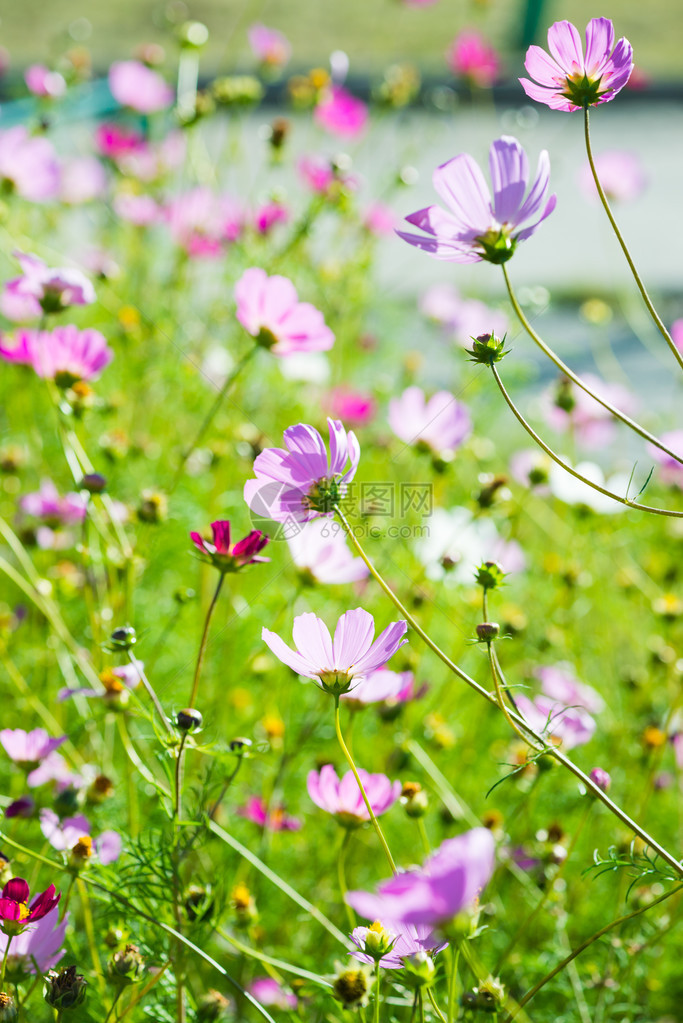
{"points": [[178, 781], [279, 964], [90, 935], [378, 993], [421, 1005], [368, 805], [453, 985], [113, 1005], [568, 468], [202, 645], [564, 368], [341, 875], [582, 947], [4, 960], [435, 1007], [552, 751], [65, 905], [150, 692], [610, 216]]}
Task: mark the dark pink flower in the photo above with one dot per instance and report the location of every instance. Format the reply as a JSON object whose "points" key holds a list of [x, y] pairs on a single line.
{"points": [[38, 948], [135, 85], [475, 227], [65, 354], [565, 80], [15, 912], [114, 141], [271, 819], [471, 57], [202, 222], [270, 310], [342, 797], [268, 215], [341, 113], [357, 408], [28, 164], [229, 557], [270, 47]]}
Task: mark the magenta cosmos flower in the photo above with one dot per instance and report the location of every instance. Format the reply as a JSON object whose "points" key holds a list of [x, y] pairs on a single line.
{"points": [[28, 165], [352, 655], [270, 47], [37, 949], [342, 797], [48, 505], [229, 557], [450, 881], [270, 818], [407, 940], [135, 85], [441, 424], [15, 912], [341, 114], [474, 227], [565, 80], [302, 483], [270, 310], [48, 290], [471, 57], [65, 354]]}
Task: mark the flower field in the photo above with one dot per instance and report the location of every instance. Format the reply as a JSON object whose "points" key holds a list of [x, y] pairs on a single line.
{"points": [[340, 604]]}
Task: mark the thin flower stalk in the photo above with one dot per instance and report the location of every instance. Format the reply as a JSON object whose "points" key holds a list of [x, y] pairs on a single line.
{"points": [[552, 751], [564, 368], [624, 248], [203, 641], [341, 875], [453, 983], [667, 512], [150, 692]]}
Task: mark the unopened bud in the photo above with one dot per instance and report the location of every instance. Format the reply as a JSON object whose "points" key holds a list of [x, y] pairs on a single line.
{"points": [[126, 966], [81, 853], [487, 349], [64, 988], [153, 507], [94, 483], [189, 720], [198, 902], [378, 941], [279, 130], [601, 778], [414, 799], [419, 969], [490, 575], [213, 1007], [101, 788], [487, 631], [489, 996], [123, 638], [240, 745]]}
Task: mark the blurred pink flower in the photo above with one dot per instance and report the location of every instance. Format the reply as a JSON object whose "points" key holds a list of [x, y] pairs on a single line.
{"points": [[450, 881], [38, 948], [135, 85], [116, 684], [560, 683], [319, 548], [356, 408], [380, 219], [273, 819], [559, 725], [457, 544], [671, 471], [317, 172], [269, 309], [64, 834], [352, 656], [269, 46], [28, 164], [267, 991], [591, 423], [82, 179], [43, 82], [531, 468], [441, 424], [48, 505], [408, 939], [342, 797], [65, 354], [201, 222], [141, 210], [28, 749], [51, 289], [383, 686], [268, 215], [114, 141], [621, 175], [471, 57], [677, 334], [341, 114], [464, 318], [565, 80]]}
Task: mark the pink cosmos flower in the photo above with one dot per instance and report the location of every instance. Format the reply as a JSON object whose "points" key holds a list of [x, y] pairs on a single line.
{"points": [[116, 684], [559, 725], [564, 80], [28, 164], [65, 834], [677, 334], [50, 289], [267, 991], [621, 175], [384, 686], [474, 227], [136, 86], [273, 819], [267, 216], [65, 354], [450, 881], [269, 309], [464, 318], [560, 683], [531, 468], [354, 407], [408, 939], [38, 948], [28, 749], [141, 210], [671, 471], [302, 482], [342, 797], [54, 768], [269, 46], [43, 82], [151, 161], [341, 114], [15, 912], [201, 222], [379, 219], [441, 424], [471, 57], [591, 423], [114, 141], [83, 179], [47, 504], [229, 557], [352, 656], [317, 172], [319, 548]]}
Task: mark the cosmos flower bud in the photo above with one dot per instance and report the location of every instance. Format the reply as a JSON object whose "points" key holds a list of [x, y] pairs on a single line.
{"points": [[419, 970], [153, 507], [189, 720], [94, 483], [488, 349], [489, 575], [378, 941], [601, 778], [101, 789], [198, 902], [487, 631], [243, 905], [351, 985], [126, 966], [123, 638], [8, 1009], [237, 90], [240, 745], [81, 853], [64, 988], [489, 996], [192, 35], [213, 1007], [279, 130], [414, 799]]}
